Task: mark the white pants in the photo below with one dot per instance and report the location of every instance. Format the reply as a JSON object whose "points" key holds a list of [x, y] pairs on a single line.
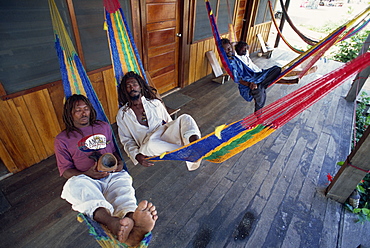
{"points": [[170, 136], [114, 193]]}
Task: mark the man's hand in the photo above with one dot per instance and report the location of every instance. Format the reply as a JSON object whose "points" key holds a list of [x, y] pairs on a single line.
{"points": [[119, 166], [94, 173], [251, 85], [142, 160]]}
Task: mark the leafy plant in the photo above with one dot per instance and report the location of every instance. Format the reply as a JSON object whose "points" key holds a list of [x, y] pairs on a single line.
{"points": [[349, 49], [362, 117], [363, 188], [363, 209]]}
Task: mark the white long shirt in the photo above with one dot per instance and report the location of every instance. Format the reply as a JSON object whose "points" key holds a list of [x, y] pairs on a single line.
{"points": [[247, 60], [131, 133]]}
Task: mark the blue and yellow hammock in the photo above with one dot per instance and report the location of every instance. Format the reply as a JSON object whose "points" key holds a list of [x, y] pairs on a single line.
{"points": [[105, 238], [76, 81], [124, 54]]}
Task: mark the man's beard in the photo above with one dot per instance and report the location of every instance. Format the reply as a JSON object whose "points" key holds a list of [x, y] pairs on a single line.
{"points": [[134, 98]]}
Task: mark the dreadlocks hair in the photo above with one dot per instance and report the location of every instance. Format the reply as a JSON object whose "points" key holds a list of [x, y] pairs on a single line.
{"points": [[147, 91], [68, 116]]}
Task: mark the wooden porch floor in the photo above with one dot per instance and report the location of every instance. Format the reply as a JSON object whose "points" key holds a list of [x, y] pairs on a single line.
{"points": [[270, 195]]}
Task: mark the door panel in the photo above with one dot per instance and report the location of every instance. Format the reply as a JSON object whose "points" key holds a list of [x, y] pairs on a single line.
{"points": [[161, 61], [159, 37], [161, 44]]}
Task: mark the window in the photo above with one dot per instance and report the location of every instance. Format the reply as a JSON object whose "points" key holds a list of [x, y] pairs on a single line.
{"points": [[223, 12], [263, 13], [90, 21], [27, 54]]}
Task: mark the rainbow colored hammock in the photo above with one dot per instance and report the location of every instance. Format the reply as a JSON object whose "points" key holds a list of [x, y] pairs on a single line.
{"points": [[76, 81], [74, 76], [228, 140], [105, 238], [124, 54]]}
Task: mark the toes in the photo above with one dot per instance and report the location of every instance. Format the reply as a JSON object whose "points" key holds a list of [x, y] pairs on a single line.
{"points": [[142, 205], [126, 225], [149, 206], [153, 212], [126, 222]]}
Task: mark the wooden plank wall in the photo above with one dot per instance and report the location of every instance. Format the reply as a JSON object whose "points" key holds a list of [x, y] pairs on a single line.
{"points": [[198, 63], [199, 66], [263, 29], [29, 123]]}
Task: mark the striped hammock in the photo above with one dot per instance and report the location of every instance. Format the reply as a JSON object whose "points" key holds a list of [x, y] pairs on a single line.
{"points": [[74, 76], [124, 54], [105, 238]]}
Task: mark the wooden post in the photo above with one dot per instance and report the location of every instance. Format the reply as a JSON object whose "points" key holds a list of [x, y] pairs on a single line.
{"points": [[352, 171], [361, 77], [282, 21]]}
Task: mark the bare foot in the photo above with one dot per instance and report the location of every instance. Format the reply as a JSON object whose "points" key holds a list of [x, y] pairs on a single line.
{"points": [[121, 228], [117, 226], [144, 218]]}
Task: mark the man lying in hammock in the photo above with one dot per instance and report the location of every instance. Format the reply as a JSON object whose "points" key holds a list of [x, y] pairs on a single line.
{"points": [[252, 85], [106, 197], [242, 53], [144, 126]]}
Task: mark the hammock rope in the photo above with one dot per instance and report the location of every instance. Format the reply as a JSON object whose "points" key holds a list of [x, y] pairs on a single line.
{"points": [[306, 39], [349, 23], [280, 33]]}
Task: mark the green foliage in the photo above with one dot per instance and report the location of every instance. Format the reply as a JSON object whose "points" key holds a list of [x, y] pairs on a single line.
{"points": [[363, 188], [340, 163], [349, 49], [363, 210], [362, 118]]}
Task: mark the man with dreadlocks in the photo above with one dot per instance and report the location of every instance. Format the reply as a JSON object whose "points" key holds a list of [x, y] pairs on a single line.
{"points": [[106, 197], [144, 126]]}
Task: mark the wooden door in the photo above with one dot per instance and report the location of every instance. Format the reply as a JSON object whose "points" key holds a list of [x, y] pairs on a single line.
{"points": [[161, 42]]}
